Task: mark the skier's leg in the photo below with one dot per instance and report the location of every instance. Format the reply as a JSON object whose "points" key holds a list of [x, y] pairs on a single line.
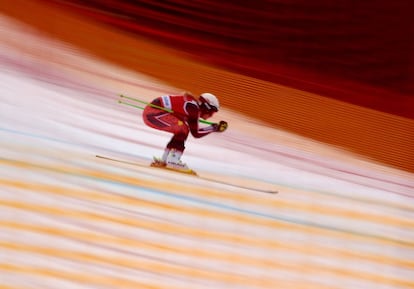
{"points": [[165, 121]]}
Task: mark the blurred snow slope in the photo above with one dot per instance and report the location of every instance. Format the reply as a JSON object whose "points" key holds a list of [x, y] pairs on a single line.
{"points": [[71, 220]]}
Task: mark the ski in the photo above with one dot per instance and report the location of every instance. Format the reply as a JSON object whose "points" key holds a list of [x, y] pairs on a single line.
{"points": [[189, 173]]}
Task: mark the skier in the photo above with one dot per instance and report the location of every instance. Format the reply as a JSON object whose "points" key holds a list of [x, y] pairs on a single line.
{"points": [[180, 115]]}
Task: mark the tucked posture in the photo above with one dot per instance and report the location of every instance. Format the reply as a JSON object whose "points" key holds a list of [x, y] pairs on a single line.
{"points": [[180, 115]]}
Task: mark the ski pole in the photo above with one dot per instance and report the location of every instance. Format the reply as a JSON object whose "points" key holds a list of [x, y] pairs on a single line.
{"points": [[130, 104], [146, 103], [153, 105]]}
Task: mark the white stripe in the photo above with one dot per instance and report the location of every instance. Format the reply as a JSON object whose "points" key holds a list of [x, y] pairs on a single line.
{"points": [[159, 118], [166, 101]]}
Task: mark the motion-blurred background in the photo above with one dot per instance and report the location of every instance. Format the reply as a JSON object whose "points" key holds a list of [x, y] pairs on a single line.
{"points": [[319, 100], [347, 66]]}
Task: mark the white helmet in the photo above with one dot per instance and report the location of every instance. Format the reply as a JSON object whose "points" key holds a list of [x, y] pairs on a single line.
{"points": [[211, 100]]}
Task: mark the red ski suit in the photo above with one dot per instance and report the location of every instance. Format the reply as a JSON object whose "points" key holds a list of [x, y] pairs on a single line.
{"points": [[179, 115]]}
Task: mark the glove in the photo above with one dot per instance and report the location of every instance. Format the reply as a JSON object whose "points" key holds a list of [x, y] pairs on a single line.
{"points": [[221, 126]]}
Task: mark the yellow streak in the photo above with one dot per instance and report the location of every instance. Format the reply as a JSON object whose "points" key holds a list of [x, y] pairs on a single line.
{"points": [[242, 198], [173, 229], [145, 265], [114, 282], [219, 215]]}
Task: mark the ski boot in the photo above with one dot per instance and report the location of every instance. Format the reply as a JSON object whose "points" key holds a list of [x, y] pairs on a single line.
{"points": [[174, 163]]}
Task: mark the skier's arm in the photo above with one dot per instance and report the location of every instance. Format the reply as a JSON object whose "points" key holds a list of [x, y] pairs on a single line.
{"points": [[193, 118]]}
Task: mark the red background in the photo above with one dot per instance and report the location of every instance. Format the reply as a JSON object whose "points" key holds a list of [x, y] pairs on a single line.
{"points": [[356, 51]]}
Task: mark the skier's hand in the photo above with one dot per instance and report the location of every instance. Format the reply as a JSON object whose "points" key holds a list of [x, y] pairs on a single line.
{"points": [[221, 126]]}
